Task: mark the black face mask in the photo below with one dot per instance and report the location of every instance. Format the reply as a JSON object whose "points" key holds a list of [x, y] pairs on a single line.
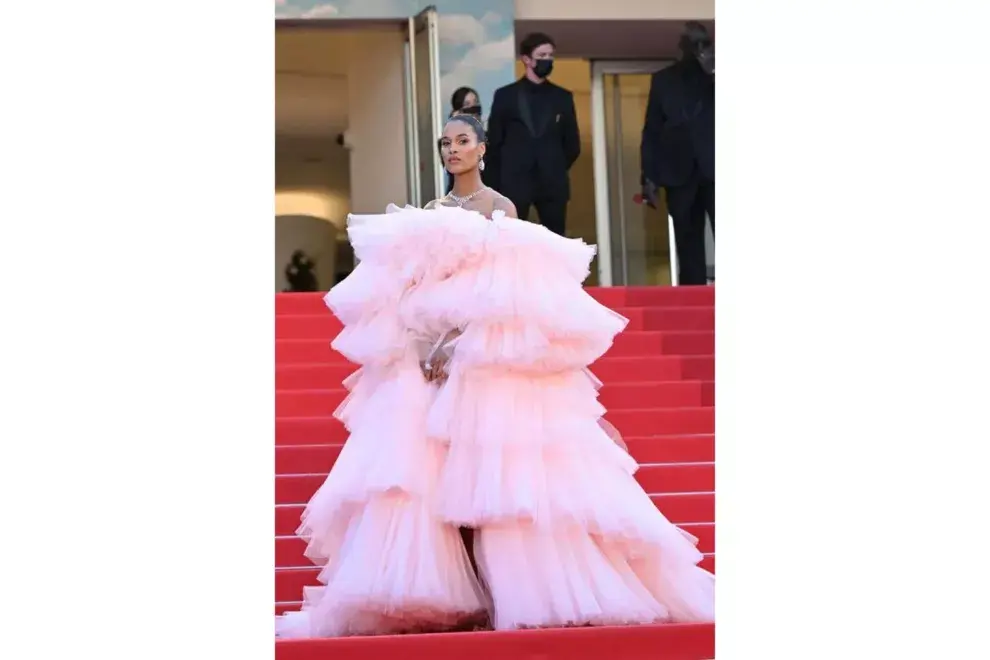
{"points": [[706, 58], [543, 68], [472, 110]]}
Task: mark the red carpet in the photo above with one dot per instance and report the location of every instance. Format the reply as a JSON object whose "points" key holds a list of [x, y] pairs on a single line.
{"points": [[659, 389]]}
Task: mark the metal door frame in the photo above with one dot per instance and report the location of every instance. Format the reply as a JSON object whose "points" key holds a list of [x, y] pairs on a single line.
{"points": [[599, 137], [411, 114], [424, 24]]}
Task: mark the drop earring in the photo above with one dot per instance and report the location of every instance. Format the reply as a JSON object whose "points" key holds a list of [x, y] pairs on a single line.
{"points": [[481, 164]]}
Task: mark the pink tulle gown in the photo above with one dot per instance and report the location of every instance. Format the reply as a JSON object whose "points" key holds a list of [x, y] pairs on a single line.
{"points": [[512, 444]]}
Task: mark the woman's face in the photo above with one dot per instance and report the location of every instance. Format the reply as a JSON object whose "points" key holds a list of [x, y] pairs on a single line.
{"points": [[460, 148], [470, 100]]}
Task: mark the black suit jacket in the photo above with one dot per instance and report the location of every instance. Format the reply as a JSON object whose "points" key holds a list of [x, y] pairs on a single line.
{"points": [[530, 151], [679, 131]]}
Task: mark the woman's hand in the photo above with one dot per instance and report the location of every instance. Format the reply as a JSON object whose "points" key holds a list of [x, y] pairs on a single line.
{"points": [[435, 367]]}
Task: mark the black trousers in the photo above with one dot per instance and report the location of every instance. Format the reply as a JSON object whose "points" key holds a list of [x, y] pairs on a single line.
{"points": [[552, 210], [688, 204]]}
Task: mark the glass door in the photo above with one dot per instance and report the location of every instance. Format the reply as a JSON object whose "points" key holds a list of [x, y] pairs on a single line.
{"points": [[635, 238], [423, 108]]}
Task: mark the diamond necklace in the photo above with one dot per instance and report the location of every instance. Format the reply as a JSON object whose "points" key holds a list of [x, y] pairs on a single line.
{"points": [[461, 201]]}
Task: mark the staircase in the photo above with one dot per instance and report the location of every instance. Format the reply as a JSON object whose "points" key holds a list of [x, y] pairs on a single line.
{"points": [[659, 390]]}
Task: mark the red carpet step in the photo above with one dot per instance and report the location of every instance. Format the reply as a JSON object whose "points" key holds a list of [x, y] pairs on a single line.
{"points": [[629, 344], [322, 325], [677, 507], [642, 422], [329, 373], [289, 582], [289, 549], [309, 459], [657, 478], [669, 642], [614, 396]]}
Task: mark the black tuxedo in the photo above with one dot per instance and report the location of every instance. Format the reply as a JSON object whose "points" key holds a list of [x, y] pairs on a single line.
{"points": [[533, 140], [678, 154]]}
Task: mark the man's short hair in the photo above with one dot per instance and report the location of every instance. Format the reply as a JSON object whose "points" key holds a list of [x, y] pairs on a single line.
{"points": [[533, 41]]}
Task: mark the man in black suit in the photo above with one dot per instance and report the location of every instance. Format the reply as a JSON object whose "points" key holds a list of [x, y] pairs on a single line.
{"points": [[533, 138], [678, 147]]}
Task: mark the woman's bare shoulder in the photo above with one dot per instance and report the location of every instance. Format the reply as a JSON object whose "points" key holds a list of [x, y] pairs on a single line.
{"points": [[436, 203], [502, 203]]}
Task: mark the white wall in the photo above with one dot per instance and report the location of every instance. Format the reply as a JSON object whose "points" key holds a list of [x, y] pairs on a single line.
{"points": [[376, 121], [312, 177], [310, 105], [311, 82]]}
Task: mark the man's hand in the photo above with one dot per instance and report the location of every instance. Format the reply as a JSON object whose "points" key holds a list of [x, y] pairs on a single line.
{"points": [[651, 193]]}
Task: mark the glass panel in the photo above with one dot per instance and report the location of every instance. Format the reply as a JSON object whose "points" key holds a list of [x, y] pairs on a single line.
{"points": [[640, 241]]}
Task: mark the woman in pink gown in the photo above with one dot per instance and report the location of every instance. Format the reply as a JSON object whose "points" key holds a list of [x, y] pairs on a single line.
{"points": [[474, 408]]}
